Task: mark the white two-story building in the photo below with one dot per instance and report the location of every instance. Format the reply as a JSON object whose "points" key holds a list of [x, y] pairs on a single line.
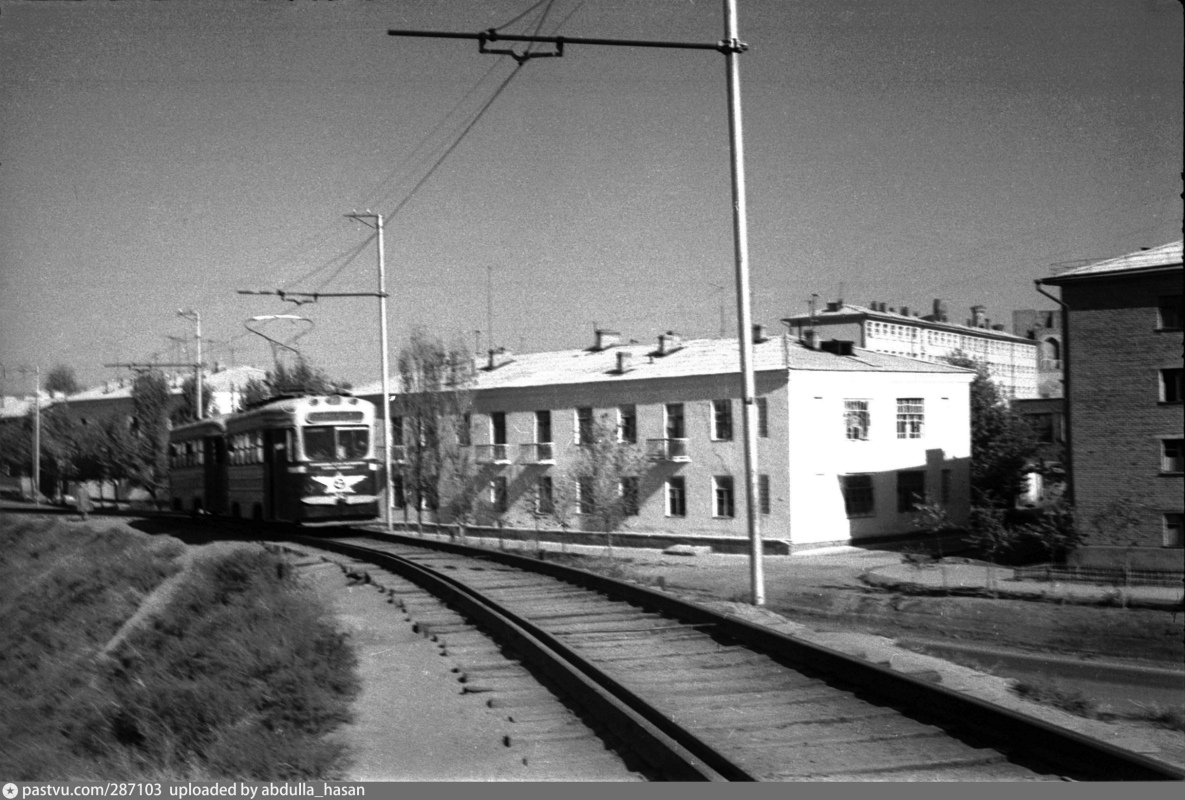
{"points": [[849, 440]]}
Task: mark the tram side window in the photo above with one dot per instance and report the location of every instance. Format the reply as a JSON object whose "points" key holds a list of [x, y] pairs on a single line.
{"points": [[353, 443], [318, 443]]}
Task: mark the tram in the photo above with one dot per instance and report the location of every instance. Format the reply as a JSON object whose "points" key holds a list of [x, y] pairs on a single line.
{"points": [[295, 459]]}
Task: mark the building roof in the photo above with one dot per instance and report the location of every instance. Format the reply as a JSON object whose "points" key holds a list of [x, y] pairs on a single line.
{"points": [[694, 357], [221, 381], [849, 312], [1152, 258]]}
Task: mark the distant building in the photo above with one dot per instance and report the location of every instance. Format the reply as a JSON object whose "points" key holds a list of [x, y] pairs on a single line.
{"points": [[1045, 328], [1011, 360], [114, 397], [1124, 392], [848, 439]]}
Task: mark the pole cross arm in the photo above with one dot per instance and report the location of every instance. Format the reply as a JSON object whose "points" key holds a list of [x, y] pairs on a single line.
{"points": [[723, 46], [492, 36]]}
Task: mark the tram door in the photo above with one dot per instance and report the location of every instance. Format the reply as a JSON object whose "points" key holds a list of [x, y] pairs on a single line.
{"points": [[214, 465], [275, 456]]}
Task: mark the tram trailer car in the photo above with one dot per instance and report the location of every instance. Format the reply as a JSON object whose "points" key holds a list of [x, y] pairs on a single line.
{"points": [[298, 459], [197, 466]]}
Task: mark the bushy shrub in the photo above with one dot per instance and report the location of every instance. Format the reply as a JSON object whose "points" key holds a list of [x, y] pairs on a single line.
{"points": [[240, 675]]}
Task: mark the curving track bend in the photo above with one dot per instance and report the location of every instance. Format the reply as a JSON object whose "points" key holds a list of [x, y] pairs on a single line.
{"points": [[698, 696]]}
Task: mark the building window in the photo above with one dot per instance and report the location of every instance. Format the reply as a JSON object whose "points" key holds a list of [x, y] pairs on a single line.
{"points": [[858, 498], [396, 430], [498, 427], [584, 425], [856, 419], [543, 427], [724, 496], [911, 417], [1172, 529], [1168, 317], [947, 475], [544, 495], [676, 497], [585, 497], [1171, 457], [464, 437], [911, 489], [499, 494], [630, 496], [674, 420], [627, 425], [763, 493], [1171, 386], [722, 420], [1043, 427], [763, 417]]}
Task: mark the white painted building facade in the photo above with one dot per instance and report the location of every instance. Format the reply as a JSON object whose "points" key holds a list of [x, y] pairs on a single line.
{"points": [[847, 443]]}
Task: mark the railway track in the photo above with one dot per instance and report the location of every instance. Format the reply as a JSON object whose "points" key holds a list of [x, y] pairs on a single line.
{"points": [[696, 695]]}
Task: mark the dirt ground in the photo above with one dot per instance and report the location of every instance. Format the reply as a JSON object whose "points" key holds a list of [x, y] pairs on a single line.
{"points": [[825, 592]]}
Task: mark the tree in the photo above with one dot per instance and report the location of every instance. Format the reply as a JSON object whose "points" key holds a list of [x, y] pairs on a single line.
{"points": [[256, 391], [299, 379], [62, 379], [150, 427], [433, 404], [184, 412], [1002, 443], [302, 379], [607, 471], [105, 452]]}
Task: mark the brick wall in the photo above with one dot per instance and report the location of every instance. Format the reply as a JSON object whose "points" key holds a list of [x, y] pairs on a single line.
{"points": [[1115, 358]]}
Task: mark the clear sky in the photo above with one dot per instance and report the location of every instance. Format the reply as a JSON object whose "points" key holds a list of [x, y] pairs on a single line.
{"points": [[162, 155]]}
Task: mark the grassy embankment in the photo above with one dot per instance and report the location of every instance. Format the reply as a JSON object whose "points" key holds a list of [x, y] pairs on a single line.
{"points": [[238, 674]]}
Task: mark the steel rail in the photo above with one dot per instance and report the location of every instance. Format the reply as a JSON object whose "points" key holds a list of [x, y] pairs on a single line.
{"points": [[673, 751], [1065, 749]]}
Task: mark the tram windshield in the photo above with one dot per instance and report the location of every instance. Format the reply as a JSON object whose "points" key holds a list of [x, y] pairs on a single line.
{"points": [[326, 443]]}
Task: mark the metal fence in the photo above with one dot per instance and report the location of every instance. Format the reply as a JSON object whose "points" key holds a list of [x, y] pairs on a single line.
{"points": [[1112, 576]]}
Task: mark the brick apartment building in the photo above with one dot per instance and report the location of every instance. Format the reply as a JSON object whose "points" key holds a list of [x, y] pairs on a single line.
{"points": [[1124, 401], [848, 439]]}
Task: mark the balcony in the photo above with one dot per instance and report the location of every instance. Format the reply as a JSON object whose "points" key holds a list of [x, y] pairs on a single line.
{"points": [[667, 450], [491, 453], [537, 453]]}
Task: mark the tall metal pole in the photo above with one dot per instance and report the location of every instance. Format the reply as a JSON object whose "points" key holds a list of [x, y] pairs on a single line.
{"points": [[386, 376], [744, 311], [37, 436], [197, 317], [731, 47]]}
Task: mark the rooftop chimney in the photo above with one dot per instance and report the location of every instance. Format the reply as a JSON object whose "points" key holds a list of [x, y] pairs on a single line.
{"points": [[668, 343], [498, 358], [606, 339], [939, 310], [759, 334], [978, 317], [624, 361]]}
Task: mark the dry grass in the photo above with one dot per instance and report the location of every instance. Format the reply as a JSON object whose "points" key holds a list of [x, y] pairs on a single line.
{"points": [[240, 675]]}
